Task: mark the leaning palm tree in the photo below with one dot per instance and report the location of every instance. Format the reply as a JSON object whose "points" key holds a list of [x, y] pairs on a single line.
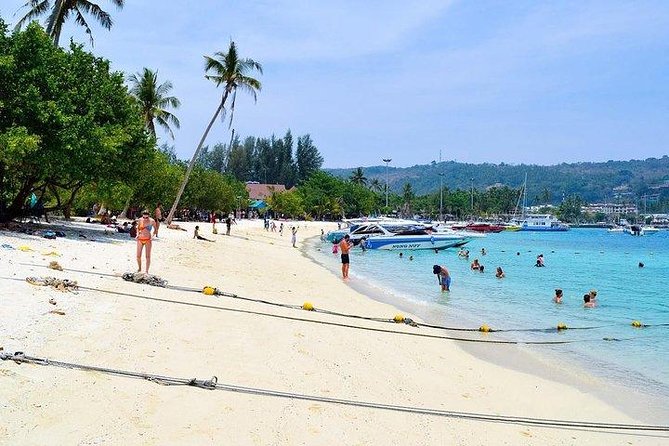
{"points": [[153, 100], [229, 70], [61, 10], [358, 177]]}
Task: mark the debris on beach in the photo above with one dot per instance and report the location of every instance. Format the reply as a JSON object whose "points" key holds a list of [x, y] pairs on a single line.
{"points": [[145, 278], [25, 248], [59, 312], [7, 246], [52, 301], [59, 284], [55, 265], [51, 254]]}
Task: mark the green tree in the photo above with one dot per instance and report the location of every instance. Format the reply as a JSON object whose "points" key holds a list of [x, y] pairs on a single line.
{"points": [[154, 101], [287, 203], [358, 177], [376, 186], [308, 159], [60, 10], [66, 121], [408, 196], [570, 209], [232, 72]]}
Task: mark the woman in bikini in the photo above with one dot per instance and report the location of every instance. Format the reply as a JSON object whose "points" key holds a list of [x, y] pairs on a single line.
{"points": [[145, 226]]}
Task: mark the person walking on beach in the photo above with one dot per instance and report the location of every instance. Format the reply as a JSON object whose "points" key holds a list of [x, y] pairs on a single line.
{"points": [[345, 247], [145, 226], [228, 224], [443, 277], [158, 214], [293, 238]]}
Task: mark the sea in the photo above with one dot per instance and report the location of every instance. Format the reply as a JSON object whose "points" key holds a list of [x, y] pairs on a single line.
{"points": [[605, 344]]}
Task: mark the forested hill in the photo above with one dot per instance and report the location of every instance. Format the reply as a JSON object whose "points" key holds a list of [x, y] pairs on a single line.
{"points": [[592, 181]]}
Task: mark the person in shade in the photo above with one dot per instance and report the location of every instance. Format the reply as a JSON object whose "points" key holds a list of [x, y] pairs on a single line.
{"points": [[443, 277]]}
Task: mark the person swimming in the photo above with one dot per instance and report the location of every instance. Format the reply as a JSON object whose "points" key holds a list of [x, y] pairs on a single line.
{"points": [[588, 302], [558, 296], [475, 265], [500, 273]]}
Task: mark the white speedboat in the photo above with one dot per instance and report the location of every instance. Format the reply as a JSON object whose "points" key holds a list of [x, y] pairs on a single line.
{"points": [[404, 235]]}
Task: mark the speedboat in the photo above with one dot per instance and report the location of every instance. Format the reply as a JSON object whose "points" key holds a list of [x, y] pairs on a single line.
{"points": [[480, 226], [640, 230], [404, 235]]}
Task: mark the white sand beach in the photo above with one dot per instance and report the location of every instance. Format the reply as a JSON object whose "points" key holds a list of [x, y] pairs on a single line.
{"points": [[243, 343]]}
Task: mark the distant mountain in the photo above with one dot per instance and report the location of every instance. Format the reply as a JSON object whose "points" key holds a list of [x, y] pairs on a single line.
{"points": [[612, 180]]}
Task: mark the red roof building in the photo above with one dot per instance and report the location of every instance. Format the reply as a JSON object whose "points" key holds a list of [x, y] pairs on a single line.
{"points": [[259, 191]]}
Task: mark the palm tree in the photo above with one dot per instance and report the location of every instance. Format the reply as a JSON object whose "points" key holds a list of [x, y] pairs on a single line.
{"points": [[153, 100], [231, 71], [61, 10], [376, 186], [358, 177]]}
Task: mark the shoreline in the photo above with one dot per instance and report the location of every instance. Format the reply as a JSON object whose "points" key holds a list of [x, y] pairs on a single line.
{"points": [[543, 364], [185, 334]]}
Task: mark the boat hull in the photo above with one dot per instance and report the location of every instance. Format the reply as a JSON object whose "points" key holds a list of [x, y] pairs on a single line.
{"points": [[414, 243]]}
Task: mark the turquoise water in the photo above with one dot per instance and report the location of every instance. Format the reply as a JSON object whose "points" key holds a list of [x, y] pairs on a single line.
{"points": [[576, 261]]}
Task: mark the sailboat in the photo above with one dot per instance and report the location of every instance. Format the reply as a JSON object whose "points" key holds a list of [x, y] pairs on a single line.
{"points": [[536, 222]]}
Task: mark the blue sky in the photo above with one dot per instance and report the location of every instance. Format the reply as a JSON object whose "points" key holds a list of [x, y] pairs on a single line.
{"points": [[482, 81]]}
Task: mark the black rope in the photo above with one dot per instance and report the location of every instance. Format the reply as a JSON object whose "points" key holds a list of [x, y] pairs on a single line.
{"points": [[356, 327], [213, 384], [407, 321]]}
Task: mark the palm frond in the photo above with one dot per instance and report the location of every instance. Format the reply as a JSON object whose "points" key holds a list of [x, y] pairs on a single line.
{"points": [[91, 8], [37, 8], [79, 18]]}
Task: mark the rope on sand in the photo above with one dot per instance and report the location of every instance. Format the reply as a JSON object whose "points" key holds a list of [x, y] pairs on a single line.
{"points": [[213, 384]]}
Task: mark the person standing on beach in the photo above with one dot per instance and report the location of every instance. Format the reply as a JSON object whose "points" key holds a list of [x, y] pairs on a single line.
{"points": [[345, 247], [158, 214], [443, 277], [144, 227], [293, 239], [228, 224]]}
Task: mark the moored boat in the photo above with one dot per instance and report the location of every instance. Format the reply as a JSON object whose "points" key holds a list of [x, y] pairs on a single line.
{"points": [[541, 222]]}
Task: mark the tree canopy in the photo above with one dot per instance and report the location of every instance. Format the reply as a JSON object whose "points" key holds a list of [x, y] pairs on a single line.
{"points": [[66, 120]]}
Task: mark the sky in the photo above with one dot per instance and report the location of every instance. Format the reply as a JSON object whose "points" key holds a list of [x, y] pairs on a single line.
{"points": [[481, 81]]}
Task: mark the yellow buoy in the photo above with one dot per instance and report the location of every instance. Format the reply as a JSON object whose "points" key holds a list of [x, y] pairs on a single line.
{"points": [[209, 290], [308, 306], [562, 326], [484, 329], [637, 324], [399, 318]]}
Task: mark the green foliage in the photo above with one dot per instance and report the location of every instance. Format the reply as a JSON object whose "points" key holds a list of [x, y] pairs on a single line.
{"points": [[288, 203], [66, 121], [154, 101], [358, 177], [594, 182], [570, 209], [60, 10]]}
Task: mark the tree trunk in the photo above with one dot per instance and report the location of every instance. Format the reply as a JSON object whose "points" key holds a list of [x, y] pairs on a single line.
{"points": [[193, 160]]}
